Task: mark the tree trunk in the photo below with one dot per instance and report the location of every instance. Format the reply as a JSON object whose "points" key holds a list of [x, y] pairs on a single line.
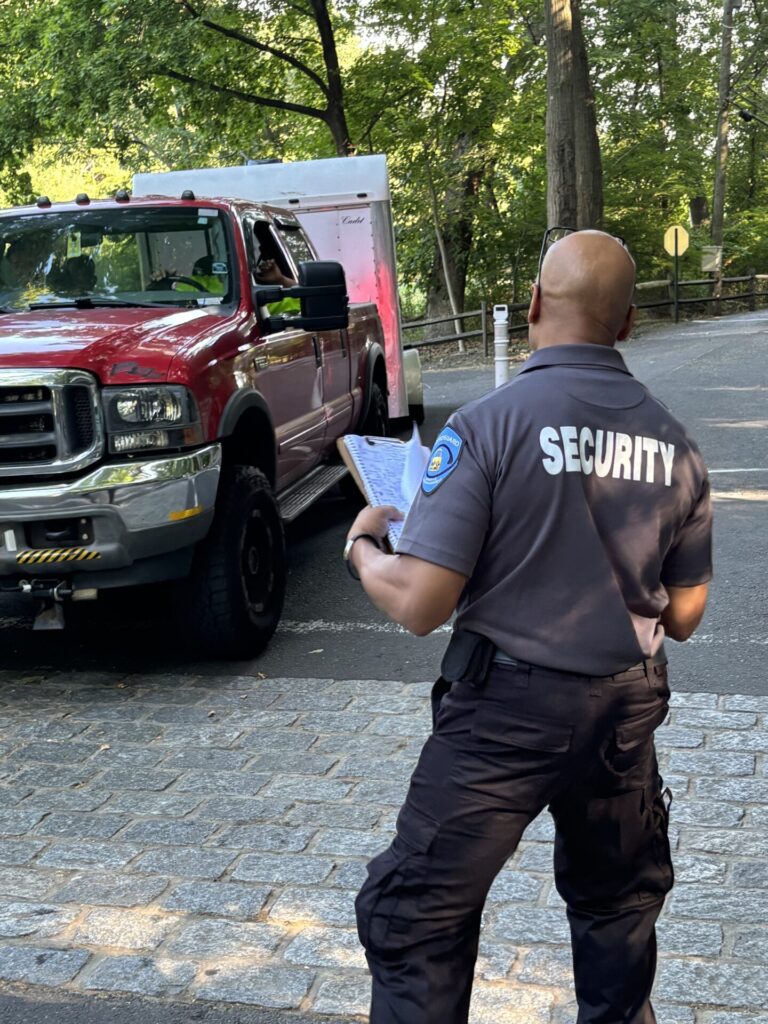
{"points": [[589, 168], [723, 125], [336, 116], [561, 146], [721, 140], [457, 236], [457, 242], [337, 125], [752, 186]]}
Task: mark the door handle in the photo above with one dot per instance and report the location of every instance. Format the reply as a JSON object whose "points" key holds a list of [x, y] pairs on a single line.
{"points": [[318, 351]]}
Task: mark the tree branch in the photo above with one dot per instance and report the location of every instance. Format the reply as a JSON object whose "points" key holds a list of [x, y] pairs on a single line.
{"points": [[246, 97], [328, 43], [150, 149], [300, 8], [392, 104], [248, 40], [745, 67], [536, 37]]}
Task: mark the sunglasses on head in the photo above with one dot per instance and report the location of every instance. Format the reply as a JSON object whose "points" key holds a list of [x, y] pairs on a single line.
{"points": [[552, 235]]}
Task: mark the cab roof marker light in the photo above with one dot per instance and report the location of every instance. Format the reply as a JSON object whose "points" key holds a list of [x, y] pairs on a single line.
{"points": [[187, 194], [82, 199], [43, 202], [122, 195]]}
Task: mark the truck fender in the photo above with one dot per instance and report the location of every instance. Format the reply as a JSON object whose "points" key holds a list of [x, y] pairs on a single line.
{"points": [[248, 433], [374, 354]]}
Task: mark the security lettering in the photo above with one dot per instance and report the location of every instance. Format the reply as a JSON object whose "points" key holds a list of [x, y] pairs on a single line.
{"points": [[605, 453]]}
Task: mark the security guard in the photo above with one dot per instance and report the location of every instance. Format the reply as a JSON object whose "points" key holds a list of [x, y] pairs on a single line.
{"points": [[567, 515]]}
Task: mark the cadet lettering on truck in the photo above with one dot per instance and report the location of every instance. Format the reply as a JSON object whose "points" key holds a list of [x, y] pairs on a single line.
{"points": [[163, 408]]}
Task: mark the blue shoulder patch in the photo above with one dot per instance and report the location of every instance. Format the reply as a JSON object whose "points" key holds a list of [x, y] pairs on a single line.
{"points": [[443, 460]]}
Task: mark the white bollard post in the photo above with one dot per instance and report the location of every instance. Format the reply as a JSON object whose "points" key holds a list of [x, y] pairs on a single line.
{"points": [[501, 343]]}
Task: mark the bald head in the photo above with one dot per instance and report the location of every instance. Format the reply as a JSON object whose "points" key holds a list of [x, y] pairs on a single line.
{"points": [[585, 291]]}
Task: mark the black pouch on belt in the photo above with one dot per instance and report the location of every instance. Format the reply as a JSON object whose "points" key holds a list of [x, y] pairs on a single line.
{"points": [[467, 658]]}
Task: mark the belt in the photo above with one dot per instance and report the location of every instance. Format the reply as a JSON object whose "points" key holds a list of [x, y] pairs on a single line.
{"points": [[650, 666]]}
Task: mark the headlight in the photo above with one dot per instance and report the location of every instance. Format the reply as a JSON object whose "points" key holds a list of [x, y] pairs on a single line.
{"points": [[151, 418], [153, 407]]}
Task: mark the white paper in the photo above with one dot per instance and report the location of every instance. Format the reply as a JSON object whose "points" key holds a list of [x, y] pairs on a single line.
{"points": [[416, 458], [391, 471]]}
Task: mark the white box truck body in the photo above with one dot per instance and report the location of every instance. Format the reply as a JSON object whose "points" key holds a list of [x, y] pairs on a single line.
{"points": [[344, 205]]}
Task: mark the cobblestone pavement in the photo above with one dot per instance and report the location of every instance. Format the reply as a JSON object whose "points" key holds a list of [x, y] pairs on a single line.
{"points": [[203, 838]]}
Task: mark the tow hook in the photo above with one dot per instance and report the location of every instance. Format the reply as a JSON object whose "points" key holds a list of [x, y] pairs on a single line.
{"points": [[49, 615], [48, 601]]}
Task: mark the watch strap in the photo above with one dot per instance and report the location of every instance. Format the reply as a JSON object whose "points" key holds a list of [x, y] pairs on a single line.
{"points": [[348, 550]]}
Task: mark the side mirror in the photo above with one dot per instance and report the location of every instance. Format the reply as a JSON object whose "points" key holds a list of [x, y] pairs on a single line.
{"points": [[322, 291], [326, 307]]}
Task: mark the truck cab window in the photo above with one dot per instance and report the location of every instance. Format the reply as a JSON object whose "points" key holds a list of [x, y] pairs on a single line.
{"points": [[266, 248], [135, 254], [294, 241], [270, 264]]}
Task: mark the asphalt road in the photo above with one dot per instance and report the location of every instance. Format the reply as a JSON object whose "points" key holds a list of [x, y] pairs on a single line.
{"points": [[712, 374], [57, 1008]]}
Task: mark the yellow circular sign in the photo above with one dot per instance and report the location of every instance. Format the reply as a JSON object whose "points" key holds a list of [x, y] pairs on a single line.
{"points": [[682, 239]]}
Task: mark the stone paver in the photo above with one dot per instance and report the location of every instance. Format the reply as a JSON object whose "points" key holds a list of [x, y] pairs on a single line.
{"points": [[142, 974], [125, 929], [220, 899], [205, 838]]}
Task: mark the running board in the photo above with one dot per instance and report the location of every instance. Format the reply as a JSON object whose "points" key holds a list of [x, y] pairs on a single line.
{"points": [[299, 496]]}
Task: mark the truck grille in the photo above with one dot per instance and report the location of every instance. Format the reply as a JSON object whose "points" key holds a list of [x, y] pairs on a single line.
{"points": [[49, 422]]}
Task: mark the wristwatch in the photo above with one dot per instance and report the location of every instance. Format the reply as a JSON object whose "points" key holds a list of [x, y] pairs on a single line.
{"points": [[348, 550]]}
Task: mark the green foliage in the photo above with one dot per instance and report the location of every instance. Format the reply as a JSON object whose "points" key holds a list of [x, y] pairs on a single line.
{"points": [[60, 172], [453, 91]]}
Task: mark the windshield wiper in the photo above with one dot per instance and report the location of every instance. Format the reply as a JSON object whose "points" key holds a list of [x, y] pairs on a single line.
{"points": [[93, 302], [9, 309]]}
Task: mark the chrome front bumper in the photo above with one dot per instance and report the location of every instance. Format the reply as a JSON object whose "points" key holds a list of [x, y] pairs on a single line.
{"points": [[111, 517]]}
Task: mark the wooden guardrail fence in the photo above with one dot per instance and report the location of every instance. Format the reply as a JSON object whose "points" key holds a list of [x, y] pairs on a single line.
{"points": [[672, 301]]}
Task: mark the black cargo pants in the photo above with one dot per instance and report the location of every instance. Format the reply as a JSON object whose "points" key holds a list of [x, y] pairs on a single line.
{"points": [[499, 755]]}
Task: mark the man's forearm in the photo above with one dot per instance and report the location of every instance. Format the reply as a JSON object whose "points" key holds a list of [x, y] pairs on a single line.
{"points": [[385, 582], [417, 594], [684, 611]]}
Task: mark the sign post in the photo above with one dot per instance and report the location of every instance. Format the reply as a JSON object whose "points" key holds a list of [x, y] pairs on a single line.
{"points": [[676, 242]]}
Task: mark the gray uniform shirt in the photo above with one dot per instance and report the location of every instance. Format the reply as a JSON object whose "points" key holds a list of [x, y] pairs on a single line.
{"points": [[569, 498]]}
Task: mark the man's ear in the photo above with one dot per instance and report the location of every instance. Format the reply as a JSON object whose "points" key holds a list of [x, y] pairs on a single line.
{"points": [[534, 309], [629, 322]]}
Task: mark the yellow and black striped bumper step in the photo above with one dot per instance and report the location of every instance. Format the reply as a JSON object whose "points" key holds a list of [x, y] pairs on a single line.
{"points": [[45, 556]]}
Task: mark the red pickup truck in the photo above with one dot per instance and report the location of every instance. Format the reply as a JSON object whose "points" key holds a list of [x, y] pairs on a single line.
{"points": [[164, 409]]}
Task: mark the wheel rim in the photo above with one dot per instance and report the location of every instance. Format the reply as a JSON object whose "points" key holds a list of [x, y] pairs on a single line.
{"points": [[257, 562]]}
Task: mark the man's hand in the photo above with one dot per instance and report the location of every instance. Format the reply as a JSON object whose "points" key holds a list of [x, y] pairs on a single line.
{"points": [[268, 272], [375, 520]]}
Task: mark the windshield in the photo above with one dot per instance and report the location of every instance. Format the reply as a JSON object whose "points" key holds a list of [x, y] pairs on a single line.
{"points": [[129, 255]]}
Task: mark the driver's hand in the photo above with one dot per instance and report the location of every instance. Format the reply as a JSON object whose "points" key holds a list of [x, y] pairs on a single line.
{"points": [[268, 272], [160, 275]]}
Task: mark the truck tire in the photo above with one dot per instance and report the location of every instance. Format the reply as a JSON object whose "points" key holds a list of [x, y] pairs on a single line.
{"points": [[237, 586], [376, 422]]}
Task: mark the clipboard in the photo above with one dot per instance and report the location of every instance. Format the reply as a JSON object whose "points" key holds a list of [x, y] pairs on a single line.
{"points": [[386, 470]]}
